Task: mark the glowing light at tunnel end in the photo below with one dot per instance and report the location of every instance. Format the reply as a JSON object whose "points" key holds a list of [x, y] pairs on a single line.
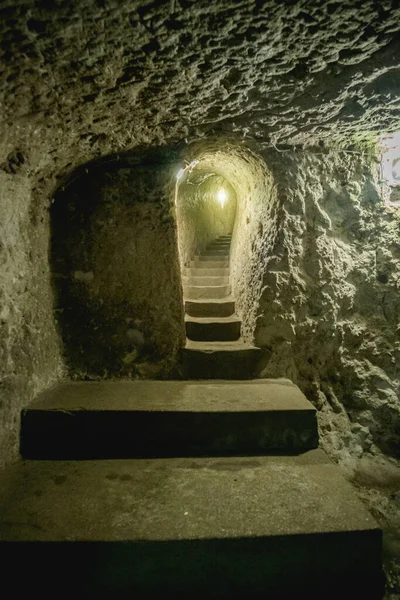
{"points": [[222, 197]]}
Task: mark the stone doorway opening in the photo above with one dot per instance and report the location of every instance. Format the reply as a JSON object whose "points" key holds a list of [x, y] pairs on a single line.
{"points": [[224, 201], [206, 209]]}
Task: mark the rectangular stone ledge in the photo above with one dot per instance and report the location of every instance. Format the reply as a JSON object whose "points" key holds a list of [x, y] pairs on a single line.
{"points": [[287, 527], [213, 328], [222, 307], [79, 420], [221, 360]]}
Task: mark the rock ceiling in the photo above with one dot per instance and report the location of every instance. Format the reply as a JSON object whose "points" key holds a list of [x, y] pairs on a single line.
{"points": [[81, 78]]}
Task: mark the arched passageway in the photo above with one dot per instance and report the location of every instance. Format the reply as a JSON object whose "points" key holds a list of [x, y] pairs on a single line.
{"points": [[206, 210], [226, 191], [116, 268]]}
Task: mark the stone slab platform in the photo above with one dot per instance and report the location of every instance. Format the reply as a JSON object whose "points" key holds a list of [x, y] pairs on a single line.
{"points": [[213, 328], [220, 307], [255, 527], [122, 419], [221, 360]]}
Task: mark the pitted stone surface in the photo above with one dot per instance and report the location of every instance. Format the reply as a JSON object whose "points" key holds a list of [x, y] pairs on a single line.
{"points": [[158, 492], [329, 308], [83, 78]]}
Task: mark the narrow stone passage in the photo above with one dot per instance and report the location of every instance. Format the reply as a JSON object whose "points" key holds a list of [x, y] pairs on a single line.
{"points": [[210, 307], [214, 347]]}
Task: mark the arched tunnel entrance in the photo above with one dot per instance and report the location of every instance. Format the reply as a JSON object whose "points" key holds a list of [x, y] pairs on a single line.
{"points": [[226, 212], [126, 230], [206, 210]]}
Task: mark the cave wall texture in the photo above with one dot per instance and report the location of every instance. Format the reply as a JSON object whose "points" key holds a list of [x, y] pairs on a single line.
{"points": [[330, 305], [30, 347], [254, 234], [84, 79], [115, 266]]}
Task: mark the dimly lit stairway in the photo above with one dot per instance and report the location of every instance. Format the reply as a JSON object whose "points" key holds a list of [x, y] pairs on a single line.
{"points": [[150, 489], [214, 348], [184, 489]]}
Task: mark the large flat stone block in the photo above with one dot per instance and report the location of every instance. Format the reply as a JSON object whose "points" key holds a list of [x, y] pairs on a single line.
{"points": [[259, 527], [213, 328], [118, 419]]}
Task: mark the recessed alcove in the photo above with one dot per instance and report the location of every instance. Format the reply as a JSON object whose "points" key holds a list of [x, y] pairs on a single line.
{"points": [[114, 262]]}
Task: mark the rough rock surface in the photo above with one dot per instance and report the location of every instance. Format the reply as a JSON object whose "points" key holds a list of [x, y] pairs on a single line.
{"points": [[377, 482], [30, 349], [81, 78], [331, 305], [115, 266]]}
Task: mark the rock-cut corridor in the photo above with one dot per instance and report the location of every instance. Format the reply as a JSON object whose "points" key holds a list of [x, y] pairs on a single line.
{"points": [[214, 346], [199, 297]]}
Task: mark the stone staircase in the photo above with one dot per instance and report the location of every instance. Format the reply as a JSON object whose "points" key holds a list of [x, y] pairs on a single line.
{"points": [[199, 488], [213, 330], [182, 488]]}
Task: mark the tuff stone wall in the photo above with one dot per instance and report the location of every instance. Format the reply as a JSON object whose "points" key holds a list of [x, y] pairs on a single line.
{"points": [[330, 308], [83, 78], [115, 265], [30, 349], [254, 235]]}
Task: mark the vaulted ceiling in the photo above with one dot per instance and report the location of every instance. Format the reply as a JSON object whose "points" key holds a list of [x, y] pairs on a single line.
{"points": [[82, 78]]}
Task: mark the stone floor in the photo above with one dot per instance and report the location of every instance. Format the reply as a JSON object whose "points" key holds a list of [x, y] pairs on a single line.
{"points": [[255, 519], [202, 519]]}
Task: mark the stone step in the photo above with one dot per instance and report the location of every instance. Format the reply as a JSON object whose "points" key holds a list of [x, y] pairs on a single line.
{"points": [[239, 527], [216, 252], [195, 292], [213, 329], [219, 258], [219, 245], [209, 264], [210, 308], [117, 419], [221, 360], [207, 272], [212, 280]]}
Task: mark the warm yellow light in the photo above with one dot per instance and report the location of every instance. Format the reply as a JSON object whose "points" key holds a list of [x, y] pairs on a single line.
{"points": [[222, 197]]}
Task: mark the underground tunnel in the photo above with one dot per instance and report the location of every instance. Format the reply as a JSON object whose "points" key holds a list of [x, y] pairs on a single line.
{"points": [[199, 295]]}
